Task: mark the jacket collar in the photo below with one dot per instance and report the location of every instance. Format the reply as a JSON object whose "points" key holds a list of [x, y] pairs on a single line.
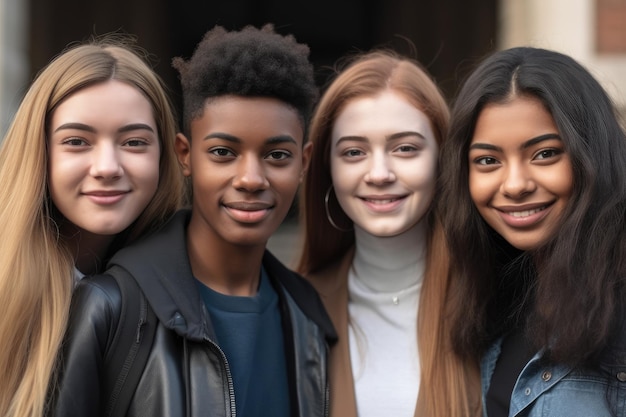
{"points": [[302, 293], [160, 265]]}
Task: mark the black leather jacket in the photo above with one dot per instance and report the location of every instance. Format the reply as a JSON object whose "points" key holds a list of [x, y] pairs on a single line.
{"points": [[186, 373]]}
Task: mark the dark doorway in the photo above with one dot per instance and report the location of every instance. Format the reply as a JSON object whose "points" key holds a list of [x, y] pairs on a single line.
{"points": [[446, 36]]}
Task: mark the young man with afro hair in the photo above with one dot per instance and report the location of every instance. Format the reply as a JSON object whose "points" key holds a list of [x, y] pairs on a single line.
{"points": [[236, 331]]}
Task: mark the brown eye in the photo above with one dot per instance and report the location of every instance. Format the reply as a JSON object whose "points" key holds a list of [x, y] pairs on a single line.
{"points": [[278, 155], [547, 153], [75, 142], [135, 143], [486, 160], [353, 152], [222, 152]]}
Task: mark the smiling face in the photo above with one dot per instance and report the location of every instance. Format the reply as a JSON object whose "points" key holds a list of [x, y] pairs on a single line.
{"points": [[246, 162], [383, 163], [520, 177], [103, 157]]}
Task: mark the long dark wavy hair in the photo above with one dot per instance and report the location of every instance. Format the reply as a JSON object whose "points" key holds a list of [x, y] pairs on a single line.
{"points": [[570, 292]]}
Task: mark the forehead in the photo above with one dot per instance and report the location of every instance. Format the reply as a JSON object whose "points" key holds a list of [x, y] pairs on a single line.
{"points": [[248, 117], [381, 114], [519, 119], [110, 101]]}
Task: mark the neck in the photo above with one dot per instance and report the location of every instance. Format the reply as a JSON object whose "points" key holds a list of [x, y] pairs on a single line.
{"points": [[88, 249], [393, 263], [225, 268]]}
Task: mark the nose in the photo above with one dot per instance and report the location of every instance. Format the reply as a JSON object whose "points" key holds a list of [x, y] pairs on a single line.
{"points": [[250, 175], [106, 162], [518, 181], [380, 170]]}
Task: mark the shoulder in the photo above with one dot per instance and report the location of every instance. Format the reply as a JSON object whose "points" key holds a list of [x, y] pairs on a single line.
{"points": [[100, 289], [94, 315], [615, 352], [96, 303], [290, 280], [301, 292]]}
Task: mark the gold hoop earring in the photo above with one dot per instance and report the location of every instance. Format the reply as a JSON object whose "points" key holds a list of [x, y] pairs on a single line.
{"points": [[330, 219]]}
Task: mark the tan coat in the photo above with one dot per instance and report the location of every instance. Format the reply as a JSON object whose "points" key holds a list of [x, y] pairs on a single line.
{"points": [[332, 285]]}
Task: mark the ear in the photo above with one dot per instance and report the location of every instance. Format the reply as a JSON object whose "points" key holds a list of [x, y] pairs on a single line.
{"points": [[182, 146], [306, 159]]}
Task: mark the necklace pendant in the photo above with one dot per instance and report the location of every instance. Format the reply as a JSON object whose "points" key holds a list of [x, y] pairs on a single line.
{"points": [[395, 300]]}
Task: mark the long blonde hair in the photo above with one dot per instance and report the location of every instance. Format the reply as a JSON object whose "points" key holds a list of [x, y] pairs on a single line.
{"points": [[36, 268], [449, 385]]}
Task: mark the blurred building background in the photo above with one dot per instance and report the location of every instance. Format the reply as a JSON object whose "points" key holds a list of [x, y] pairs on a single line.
{"points": [[447, 36]]}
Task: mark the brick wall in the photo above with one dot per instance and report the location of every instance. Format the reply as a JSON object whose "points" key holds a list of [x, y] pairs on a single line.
{"points": [[611, 26]]}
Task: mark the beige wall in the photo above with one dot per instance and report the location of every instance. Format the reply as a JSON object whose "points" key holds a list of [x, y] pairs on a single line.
{"points": [[571, 27]]}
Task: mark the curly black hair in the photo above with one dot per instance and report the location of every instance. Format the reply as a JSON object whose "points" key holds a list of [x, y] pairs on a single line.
{"points": [[251, 63]]}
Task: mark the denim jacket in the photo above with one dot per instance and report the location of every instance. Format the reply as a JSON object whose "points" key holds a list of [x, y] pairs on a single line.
{"points": [[554, 390]]}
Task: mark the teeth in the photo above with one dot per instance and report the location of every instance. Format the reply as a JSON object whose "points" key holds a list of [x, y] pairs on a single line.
{"points": [[387, 201], [526, 213]]}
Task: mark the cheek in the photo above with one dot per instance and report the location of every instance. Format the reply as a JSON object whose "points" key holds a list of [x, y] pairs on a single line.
{"points": [[154, 181], [335, 167], [285, 182], [418, 175], [55, 189], [345, 178], [565, 181], [563, 189], [62, 172], [337, 170], [147, 168], [477, 188]]}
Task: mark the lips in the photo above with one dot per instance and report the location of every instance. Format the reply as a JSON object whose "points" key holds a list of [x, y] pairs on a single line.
{"points": [[104, 193], [383, 203], [248, 212], [248, 205], [527, 215], [106, 197], [381, 200]]}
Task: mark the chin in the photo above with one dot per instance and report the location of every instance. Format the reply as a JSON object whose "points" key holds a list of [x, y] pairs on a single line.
{"points": [[248, 240], [384, 232], [525, 244]]}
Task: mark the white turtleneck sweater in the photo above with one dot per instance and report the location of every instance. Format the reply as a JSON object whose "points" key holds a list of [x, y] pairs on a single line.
{"points": [[384, 285]]}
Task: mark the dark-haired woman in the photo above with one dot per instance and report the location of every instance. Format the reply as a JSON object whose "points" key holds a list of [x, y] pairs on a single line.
{"points": [[534, 207]]}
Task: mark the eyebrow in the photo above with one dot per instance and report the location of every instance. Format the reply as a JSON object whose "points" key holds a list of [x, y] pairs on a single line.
{"points": [[393, 136], [525, 145], [234, 139], [87, 128]]}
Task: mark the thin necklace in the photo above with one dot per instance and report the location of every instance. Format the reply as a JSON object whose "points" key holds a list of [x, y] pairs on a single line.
{"points": [[396, 298]]}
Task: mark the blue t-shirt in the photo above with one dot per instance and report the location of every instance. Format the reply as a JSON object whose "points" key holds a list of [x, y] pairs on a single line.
{"points": [[249, 331]]}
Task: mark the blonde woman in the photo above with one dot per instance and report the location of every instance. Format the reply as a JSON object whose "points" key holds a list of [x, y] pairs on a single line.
{"points": [[86, 166]]}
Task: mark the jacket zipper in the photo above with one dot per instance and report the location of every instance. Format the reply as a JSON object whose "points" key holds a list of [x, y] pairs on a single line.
{"points": [[327, 402], [229, 378]]}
